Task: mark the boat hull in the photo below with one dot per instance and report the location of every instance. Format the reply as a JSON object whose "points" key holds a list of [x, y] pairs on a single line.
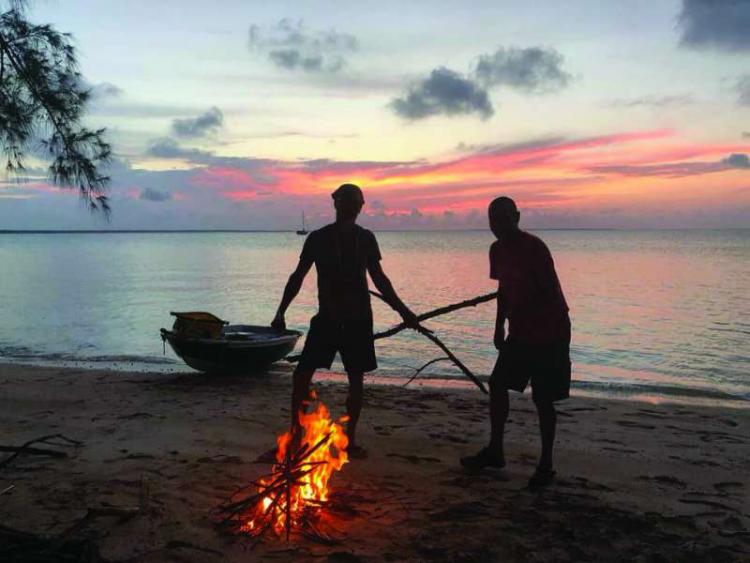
{"points": [[233, 353]]}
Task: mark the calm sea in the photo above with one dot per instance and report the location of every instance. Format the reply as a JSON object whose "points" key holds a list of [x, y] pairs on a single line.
{"points": [[661, 315]]}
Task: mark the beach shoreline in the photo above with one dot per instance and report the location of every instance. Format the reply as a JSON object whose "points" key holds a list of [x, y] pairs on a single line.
{"points": [[636, 480]]}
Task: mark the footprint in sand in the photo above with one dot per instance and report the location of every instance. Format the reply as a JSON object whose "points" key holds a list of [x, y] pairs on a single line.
{"points": [[645, 413], [609, 441], [220, 458], [631, 424], [460, 512], [449, 438], [665, 480], [584, 483], [415, 458], [709, 503], [728, 487], [720, 437], [620, 450], [135, 415]]}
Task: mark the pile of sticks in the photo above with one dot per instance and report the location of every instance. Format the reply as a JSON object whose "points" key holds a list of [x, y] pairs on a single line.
{"points": [[278, 486]]}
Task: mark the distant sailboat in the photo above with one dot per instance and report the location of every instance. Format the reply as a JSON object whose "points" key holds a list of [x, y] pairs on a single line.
{"points": [[303, 230]]}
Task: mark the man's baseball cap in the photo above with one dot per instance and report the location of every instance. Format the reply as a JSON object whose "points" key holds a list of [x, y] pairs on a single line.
{"points": [[349, 192]]}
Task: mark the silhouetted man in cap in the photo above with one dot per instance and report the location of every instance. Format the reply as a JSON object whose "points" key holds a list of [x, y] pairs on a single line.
{"points": [[343, 253], [537, 348]]}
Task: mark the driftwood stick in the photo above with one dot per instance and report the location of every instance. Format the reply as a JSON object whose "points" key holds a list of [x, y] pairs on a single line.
{"points": [[437, 312], [422, 330], [31, 451], [27, 449], [420, 369]]}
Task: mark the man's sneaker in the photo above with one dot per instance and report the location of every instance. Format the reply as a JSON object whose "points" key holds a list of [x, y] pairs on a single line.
{"points": [[541, 478], [485, 458]]}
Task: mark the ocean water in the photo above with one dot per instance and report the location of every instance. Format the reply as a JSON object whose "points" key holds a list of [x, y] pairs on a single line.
{"points": [[657, 315]]}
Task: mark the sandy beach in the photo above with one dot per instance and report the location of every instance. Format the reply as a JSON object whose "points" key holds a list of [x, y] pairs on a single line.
{"points": [[636, 481]]}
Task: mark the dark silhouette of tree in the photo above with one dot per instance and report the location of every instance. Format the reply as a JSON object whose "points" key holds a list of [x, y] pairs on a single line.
{"points": [[42, 100]]}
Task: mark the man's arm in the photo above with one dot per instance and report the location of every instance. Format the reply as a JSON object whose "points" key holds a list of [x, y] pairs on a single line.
{"points": [[293, 285], [500, 320], [385, 287]]}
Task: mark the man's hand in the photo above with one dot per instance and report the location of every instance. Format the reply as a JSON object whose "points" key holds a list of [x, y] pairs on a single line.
{"points": [[499, 338], [278, 322]]}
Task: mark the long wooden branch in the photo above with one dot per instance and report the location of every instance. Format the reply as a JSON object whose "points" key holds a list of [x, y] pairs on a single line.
{"points": [[459, 364], [437, 312], [423, 317]]}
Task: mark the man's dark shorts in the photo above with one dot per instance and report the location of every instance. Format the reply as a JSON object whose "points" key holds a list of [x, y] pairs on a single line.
{"points": [[353, 339], [546, 366]]}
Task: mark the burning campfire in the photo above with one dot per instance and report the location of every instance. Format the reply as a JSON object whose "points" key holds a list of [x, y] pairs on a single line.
{"points": [[293, 496]]}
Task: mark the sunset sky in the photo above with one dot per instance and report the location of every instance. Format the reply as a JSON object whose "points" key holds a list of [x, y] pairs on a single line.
{"points": [[240, 114]]}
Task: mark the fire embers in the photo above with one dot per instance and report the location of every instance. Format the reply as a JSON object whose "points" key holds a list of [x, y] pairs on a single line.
{"points": [[292, 498]]}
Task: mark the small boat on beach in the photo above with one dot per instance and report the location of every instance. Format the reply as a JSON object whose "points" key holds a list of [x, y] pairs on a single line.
{"points": [[211, 345]]}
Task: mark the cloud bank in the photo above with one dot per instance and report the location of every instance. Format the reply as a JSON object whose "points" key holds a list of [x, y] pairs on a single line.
{"points": [[444, 92], [650, 177], [532, 70], [715, 24], [742, 87], [291, 46], [200, 126], [151, 194]]}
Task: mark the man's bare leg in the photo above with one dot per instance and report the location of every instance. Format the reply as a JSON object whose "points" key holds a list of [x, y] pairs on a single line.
{"points": [[499, 407], [547, 424], [300, 392], [354, 405], [493, 454]]}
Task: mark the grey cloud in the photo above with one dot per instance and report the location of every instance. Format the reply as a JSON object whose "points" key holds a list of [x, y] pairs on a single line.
{"points": [[169, 148], [105, 90], [444, 92], [675, 169], [746, 134], [531, 69], [654, 101], [291, 59], [292, 46], [205, 123], [715, 24], [742, 87], [151, 194], [737, 160]]}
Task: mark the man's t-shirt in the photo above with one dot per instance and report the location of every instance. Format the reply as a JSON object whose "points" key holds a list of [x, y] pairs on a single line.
{"points": [[529, 289], [341, 258]]}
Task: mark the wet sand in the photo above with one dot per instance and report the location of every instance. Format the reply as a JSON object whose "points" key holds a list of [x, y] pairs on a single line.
{"points": [[636, 481]]}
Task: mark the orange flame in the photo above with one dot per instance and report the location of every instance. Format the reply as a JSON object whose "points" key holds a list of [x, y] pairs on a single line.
{"points": [[309, 490]]}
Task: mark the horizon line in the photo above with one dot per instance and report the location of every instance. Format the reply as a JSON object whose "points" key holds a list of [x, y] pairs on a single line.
{"points": [[167, 231]]}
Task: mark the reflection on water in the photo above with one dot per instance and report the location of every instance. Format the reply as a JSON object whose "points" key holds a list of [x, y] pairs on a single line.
{"points": [[658, 310]]}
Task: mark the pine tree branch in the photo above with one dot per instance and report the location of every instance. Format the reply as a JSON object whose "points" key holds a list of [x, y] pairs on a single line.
{"points": [[70, 166]]}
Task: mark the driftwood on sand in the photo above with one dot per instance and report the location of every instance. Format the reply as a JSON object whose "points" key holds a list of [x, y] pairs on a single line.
{"points": [[58, 440]]}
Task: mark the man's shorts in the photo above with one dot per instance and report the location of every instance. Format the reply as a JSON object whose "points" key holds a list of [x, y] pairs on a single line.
{"points": [[546, 366], [353, 339]]}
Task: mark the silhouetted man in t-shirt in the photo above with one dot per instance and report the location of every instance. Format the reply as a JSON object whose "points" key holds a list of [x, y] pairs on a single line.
{"points": [[343, 253], [538, 345]]}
